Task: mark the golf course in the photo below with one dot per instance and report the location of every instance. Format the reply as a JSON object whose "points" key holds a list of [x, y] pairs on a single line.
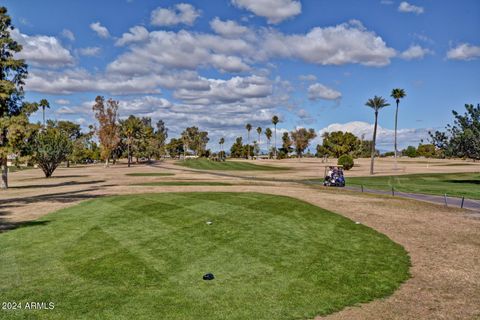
{"points": [[156, 247]]}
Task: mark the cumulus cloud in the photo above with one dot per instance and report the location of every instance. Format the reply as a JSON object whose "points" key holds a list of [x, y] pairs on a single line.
{"points": [[90, 51], [62, 101], [464, 51], [42, 51], [319, 91], [341, 44], [135, 34], [227, 28], [182, 13], [274, 10], [415, 52], [100, 30], [385, 137], [68, 34], [410, 8]]}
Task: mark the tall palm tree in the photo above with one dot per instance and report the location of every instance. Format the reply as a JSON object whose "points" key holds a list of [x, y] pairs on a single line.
{"points": [[397, 94], [275, 120], [259, 131], [221, 142], [268, 134], [44, 105], [248, 127], [376, 104]]}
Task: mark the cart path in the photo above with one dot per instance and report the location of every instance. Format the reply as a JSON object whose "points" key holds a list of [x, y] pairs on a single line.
{"points": [[469, 204]]}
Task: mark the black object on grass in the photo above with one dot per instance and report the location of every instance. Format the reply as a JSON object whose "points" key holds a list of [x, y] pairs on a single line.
{"points": [[208, 276]]}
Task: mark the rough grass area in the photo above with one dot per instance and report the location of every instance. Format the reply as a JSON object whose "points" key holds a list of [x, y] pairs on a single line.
{"points": [[184, 183], [206, 164], [453, 184], [150, 174], [143, 257]]}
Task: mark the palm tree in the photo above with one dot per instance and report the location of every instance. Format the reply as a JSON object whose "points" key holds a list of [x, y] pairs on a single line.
{"points": [[248, 127], [376, 104], [268, 134], [221, 142], [397, 94], [44, 104], [259, 131], [275, 121]]}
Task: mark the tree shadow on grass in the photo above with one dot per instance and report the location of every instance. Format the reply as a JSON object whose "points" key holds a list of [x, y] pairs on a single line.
{"points": [[7, 226], [466, 181], [60, 184], [7, 205]]}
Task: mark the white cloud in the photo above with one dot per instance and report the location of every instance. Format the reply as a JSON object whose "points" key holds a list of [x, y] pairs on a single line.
{"points": [[274, 10], [62, 101], [464, 51], [135, 34], [183, 13], [385, 137], [415, 52], [68, 34], [341, 44], [42, 51], [227, 28], [90, 51], [410, 8], [319, 91], [307, 77], [101, 31]]}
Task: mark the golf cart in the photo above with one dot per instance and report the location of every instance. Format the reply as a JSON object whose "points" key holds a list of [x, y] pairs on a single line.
{"points": [[334, 176]]}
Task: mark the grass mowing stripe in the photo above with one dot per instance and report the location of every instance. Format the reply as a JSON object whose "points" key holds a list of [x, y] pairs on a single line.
{"points": [[150, 174], [183, 183], [273, 257]]}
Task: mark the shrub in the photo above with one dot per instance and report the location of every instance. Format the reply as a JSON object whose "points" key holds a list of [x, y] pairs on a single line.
{"points": [[346, 161]]}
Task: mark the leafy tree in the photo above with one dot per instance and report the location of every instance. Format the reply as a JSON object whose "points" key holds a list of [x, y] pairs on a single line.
{"points": [[268, 134], [301, 139], [15, 129], [195, 140], [410, 152], [248, 126], [236, 150], [462, 138], [130, 131], [109, 130], [426, 150], [286, 146], [275, 120], [397, 94], [175, 148], [161, 135], [338, 143], [346, 161], [70, 129], [376, 104], [51, 147]]}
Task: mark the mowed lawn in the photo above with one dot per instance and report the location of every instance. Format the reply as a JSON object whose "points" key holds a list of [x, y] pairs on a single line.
{"points": [[143, 257], [206, 164], [453, 184]]}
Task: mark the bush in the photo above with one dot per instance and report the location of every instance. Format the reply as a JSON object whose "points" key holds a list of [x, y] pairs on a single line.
{"points": [[346, 161]]}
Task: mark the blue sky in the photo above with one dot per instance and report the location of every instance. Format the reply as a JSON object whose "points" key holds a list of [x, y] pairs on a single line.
{"points": [[220, 64]]}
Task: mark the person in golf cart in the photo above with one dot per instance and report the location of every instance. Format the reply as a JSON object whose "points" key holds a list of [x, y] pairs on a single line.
{"points": [[334, 177]]}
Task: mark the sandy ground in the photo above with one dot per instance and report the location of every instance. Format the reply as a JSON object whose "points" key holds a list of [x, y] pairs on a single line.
{"points": [[443, 243]]}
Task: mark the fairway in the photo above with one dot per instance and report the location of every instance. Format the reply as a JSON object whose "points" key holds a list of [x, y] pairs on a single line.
{"points": [[453, 184], [149, 174], [143, 257], [184, 183], [205, 164]]}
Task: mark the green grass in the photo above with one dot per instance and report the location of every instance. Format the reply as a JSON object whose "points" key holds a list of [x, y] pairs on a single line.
{"points": [[149, 174], [205, 164], [184, 183], [453, 184], [143, 257]]}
